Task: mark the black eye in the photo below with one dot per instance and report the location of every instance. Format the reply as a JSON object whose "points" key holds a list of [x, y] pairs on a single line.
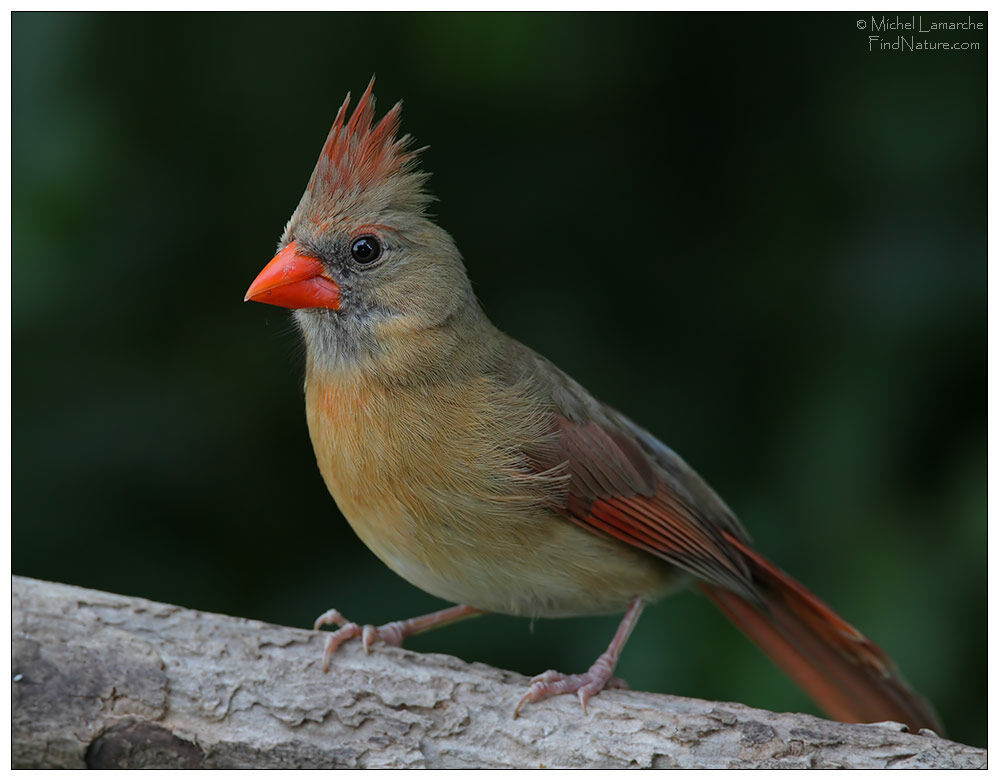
{"points": [[366, 249]]}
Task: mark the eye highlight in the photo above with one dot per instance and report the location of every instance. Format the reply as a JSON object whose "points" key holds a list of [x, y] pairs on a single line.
{"points": [[365, 249]]}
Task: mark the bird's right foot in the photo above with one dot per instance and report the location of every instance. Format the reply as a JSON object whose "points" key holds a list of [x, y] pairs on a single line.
{"points": [[392, 633]]}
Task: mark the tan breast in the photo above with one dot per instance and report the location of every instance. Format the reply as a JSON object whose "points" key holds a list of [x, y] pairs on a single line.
{"points": [[435, 483]]}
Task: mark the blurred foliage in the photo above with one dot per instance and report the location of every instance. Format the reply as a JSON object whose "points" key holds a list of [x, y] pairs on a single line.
{"points": [[759, 239]]}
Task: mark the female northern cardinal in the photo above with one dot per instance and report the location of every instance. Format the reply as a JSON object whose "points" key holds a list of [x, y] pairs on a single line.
{"points": [[481, 473]]}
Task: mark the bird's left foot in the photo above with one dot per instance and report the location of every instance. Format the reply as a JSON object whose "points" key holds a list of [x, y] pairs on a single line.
{"points": [[594, 680], [585, 685]]}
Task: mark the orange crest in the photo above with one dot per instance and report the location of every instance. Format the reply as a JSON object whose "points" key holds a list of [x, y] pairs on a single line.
{"points": [[358, 157]]}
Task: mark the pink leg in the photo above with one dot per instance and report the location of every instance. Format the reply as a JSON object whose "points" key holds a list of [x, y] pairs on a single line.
{"points": [[597, 678], [392, 633]]}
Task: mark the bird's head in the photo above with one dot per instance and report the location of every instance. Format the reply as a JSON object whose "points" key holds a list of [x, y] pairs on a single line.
{"points": [[359, 261]]}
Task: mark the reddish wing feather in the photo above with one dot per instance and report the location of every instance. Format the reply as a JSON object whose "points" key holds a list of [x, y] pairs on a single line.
{"points": [[614, 489]]}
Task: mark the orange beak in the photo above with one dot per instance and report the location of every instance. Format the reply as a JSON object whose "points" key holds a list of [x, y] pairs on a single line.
{"points": [[294, 281]]}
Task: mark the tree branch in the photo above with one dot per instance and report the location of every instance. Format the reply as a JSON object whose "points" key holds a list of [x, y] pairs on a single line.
{"points": [[102, 680]]}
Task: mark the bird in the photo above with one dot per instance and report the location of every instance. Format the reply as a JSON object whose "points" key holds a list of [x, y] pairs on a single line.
{"points": [[484, 475]]}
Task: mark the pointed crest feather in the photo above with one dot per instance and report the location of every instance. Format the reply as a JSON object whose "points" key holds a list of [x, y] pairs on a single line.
{"points": [[361, 160]]}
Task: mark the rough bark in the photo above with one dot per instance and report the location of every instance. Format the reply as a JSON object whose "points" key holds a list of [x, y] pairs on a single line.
{"points": [[101, 680]]}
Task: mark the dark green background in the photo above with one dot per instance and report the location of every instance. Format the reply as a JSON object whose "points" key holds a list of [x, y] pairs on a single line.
{"points": [[757, 238]]}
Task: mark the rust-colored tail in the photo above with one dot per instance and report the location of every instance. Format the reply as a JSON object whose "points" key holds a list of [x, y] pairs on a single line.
{"points": [[846, 674]]}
